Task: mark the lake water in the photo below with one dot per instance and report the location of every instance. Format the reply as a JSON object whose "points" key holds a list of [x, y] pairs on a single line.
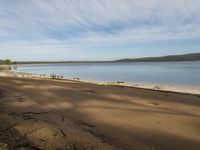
{"points": [[170, 73]]}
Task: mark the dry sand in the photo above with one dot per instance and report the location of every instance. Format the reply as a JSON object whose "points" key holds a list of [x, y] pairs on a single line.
{"points": [[55, 115]]}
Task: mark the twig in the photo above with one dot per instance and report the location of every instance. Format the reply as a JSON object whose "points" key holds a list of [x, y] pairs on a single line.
{"points": [[8, 128], [62, 132], [63, 119], [34, 113]]}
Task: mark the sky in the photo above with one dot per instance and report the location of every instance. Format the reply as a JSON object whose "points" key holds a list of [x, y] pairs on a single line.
{"points": [[32, 30]]}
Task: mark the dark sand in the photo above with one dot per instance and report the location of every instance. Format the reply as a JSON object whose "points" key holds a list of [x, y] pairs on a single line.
{"points": [[46, 114]]}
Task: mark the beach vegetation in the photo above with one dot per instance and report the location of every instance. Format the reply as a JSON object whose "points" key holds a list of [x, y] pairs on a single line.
{"points": [[5, 62]]}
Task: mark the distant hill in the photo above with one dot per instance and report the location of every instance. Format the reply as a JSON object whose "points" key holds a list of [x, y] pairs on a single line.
{"points": [[185, 57]]}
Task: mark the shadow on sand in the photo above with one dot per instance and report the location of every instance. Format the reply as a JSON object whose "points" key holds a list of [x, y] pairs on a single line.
{"points": [[89, 114]]}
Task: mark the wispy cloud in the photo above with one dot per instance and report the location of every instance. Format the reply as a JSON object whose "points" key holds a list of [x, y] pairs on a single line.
{"points": [[71, 25]]}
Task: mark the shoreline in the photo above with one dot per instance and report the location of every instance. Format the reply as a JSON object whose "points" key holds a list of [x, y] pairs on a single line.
{"points": [[155, 87]]}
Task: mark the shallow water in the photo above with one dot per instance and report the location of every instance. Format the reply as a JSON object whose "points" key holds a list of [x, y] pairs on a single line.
{"points": [[171, 73]]}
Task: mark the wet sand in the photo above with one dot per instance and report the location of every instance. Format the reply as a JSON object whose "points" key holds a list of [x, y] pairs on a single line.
{"points": [[50, 114]]}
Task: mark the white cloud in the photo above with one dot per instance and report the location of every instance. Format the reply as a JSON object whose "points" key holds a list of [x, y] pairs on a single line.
{"points": [[72, 24]]}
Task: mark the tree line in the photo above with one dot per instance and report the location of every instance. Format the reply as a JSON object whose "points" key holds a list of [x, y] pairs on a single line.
{"points": [[5, 62]]}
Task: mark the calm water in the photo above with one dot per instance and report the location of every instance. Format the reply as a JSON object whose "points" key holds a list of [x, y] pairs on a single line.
{"points": [[172, 73]]}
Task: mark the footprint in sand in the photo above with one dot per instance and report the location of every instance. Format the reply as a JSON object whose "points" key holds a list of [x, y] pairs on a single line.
{"points": [[20, 99], [154, 103], [89, 91]]}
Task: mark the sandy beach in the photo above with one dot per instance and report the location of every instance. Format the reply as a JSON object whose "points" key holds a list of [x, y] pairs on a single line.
{"points": [[99, 75], [51, 114]]}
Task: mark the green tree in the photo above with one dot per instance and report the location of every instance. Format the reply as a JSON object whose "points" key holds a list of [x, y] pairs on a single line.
{"points": [[8, 62]]}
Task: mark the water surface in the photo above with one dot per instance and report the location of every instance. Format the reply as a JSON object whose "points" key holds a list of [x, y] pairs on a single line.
{"points": [[171, 73]]}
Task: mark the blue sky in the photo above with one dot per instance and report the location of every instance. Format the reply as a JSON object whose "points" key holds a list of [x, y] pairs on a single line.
{"points": [[97, 29]]}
